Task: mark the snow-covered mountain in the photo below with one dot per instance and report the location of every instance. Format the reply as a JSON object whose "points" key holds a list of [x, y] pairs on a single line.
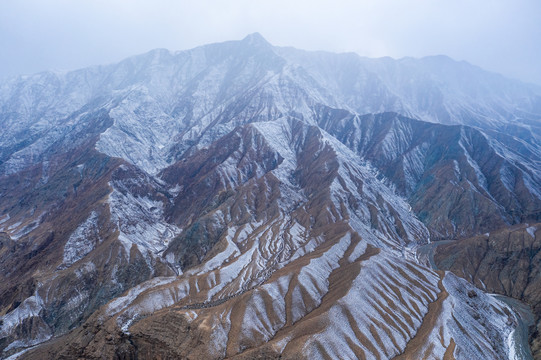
{"points": [[161, 102], [244, 200]]}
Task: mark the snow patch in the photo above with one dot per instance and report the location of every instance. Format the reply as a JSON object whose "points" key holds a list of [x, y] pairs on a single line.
{"points": [[531, 230], [30, 308], [82, 241], [141, 222], [122, 302]]}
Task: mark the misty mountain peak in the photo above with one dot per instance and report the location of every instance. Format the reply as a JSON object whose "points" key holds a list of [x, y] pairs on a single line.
{"points": [[256, 39]]}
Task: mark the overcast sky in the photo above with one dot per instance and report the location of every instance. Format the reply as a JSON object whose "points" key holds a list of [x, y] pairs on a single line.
{"points": [[498, 35]]}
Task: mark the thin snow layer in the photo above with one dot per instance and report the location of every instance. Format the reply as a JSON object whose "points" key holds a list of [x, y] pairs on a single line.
{"points": [[231, 271], [193, 88], [26, 314], [137, 303], [149, 122], [83, 240], [258, 321], [531, 230], [79, 297], [221, 323], [507, 177], [533, 185], [396, 140], [30, 307], [121, 302], [515, 158], [235, 170], [148, 297], [227, 274], [142, 132], [293, 90], [464, 144], [238, 271], [218, 273], [26, 156], [232, 250], [278, 136], [456, 168], [22, 227], [480, 325], [369, 190], [386, 303], [4, 218], [413, 165], [314, 276], [141, 222], [18, 354], [40, 134], [393, 211], [262, 322], [512, 159], [283, 240]]}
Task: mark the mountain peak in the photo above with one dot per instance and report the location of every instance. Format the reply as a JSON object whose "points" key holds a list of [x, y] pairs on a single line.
{"points": [[256, 39]]}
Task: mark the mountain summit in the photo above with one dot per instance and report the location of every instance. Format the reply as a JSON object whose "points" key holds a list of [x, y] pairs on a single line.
{"points": [[240, 200], [256, 39]]}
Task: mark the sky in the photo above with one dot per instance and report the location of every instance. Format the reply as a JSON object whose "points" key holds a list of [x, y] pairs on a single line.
{"points": [[498, 35]]}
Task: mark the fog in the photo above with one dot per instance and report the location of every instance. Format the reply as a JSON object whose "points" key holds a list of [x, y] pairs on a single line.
{"points": [[498, 35]]}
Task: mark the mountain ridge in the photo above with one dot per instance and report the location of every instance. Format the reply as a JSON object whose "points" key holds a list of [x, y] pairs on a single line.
{"points": [[293, 82], [228, 176]]}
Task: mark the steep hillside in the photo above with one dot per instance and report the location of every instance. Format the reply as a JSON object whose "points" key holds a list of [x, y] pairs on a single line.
{"points": [[308, 263], [242, 200], [505, 262], [447, 173], [161, 103]]}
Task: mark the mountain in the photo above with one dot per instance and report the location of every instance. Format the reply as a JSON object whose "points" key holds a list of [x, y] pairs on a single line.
{"points": [[162, 102], [244, 200], [504, 261], [447, 173]]}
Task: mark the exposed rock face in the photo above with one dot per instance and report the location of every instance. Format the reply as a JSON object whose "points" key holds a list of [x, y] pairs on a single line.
{"points": [[506, 262], [230, 201]]}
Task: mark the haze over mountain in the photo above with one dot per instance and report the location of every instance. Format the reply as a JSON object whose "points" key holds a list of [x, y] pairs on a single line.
{"points": [[239, 200], [56, 34]]}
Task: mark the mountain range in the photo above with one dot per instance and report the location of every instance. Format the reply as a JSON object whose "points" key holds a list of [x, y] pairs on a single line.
{"points": [[242, 200]]}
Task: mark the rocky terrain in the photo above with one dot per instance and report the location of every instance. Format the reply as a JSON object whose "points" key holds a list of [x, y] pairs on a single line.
{"points": [[505, 261], [241, 200]]}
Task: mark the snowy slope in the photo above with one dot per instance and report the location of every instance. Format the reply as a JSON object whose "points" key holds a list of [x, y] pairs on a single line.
{"points": [[162, 103], [239, 189]]}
